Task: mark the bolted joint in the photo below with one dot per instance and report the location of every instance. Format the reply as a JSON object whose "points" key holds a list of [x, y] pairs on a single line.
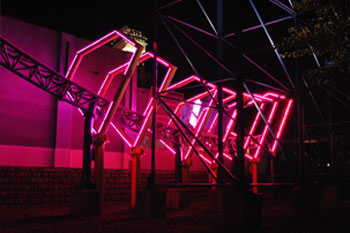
{"points": [[99, 140], [187, 163], [137, 152]]}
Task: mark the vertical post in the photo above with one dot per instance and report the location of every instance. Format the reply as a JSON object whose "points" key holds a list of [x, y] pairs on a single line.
{"points": [[300, 119], [98, 142], [255, 176], [178, 163], [136, 154], [220, 93], [239, 163], [152, 177], [87, 146]]}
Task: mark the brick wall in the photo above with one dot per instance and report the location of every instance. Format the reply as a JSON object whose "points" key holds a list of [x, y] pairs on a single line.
{"points": [[34, 185]]}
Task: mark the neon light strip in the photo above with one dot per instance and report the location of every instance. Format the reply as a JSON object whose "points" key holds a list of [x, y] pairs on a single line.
{"points": [[167, 146], [146, 111], [274, 95], [143, 127], [202, 124], [160, 60], [108, 79], [165, 83], [286, 113], [272, 113], [129, 64], [215, 120], [203, 157], [227, 156], [283, 6], [106, 115], [121, 133], [181, 105], [91, 47], [126, 38], [229, 126], [182, 83], [253, 128]]}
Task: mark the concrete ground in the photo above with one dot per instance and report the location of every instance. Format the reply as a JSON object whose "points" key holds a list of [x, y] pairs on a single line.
{"points": [[279, 215]]}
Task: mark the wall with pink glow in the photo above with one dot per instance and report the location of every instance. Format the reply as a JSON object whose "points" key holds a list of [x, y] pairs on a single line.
{"points": [[27, 114], [38, 130]]}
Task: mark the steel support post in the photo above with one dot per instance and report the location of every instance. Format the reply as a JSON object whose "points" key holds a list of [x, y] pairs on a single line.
{"points": [[239, 166], [178, 163], [152, 177], [220, 93], [254, 167], [136, 154], [87, 146]]}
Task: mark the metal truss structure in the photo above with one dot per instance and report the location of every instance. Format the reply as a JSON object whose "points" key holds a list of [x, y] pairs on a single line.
{"points": [[265, 128]]}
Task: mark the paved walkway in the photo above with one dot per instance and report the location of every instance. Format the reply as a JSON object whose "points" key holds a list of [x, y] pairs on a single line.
{"points": [[117, 217]]}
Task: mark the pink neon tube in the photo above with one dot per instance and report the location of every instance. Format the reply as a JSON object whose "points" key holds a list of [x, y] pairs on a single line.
{"points": [[272, 113], [154, 104], [215, 120], [229, 126], [253, 128], [281, 127], [91, 47], [202, 124], [168, 146], [122, 134]]}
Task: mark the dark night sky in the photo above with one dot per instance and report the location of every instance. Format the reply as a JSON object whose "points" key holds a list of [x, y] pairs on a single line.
{"points": [[93, 19]]}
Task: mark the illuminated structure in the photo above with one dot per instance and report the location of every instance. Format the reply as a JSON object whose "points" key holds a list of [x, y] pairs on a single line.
{"points": [[262, 134]]}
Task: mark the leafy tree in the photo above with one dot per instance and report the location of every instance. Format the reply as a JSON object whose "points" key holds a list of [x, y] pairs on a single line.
{"points": [[323, 29]]}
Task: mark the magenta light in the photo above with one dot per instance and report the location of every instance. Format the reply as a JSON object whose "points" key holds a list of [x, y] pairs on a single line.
{"points": [[272, 113], [201, 125], [143, 127], [125, 138], [215, 120], [255, 123], [280, 129], [168, 147], [233, 134], [91, 47], [229, 126], [129, 64], [203, 157], [106, 115], [227, 155]]}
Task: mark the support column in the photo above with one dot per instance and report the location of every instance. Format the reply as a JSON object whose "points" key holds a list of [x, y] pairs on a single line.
{"points": [[136, 154], [186, 173], [99, 141], [87, 147], [178, 156], [86, 201], [220, 86], [255, 176]]}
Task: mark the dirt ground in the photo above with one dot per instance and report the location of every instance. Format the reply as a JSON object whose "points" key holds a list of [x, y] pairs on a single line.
{"points": [[279, 214]]}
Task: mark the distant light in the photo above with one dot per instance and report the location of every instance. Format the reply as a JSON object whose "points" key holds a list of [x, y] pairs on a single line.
{"points": [[328, 164]]}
